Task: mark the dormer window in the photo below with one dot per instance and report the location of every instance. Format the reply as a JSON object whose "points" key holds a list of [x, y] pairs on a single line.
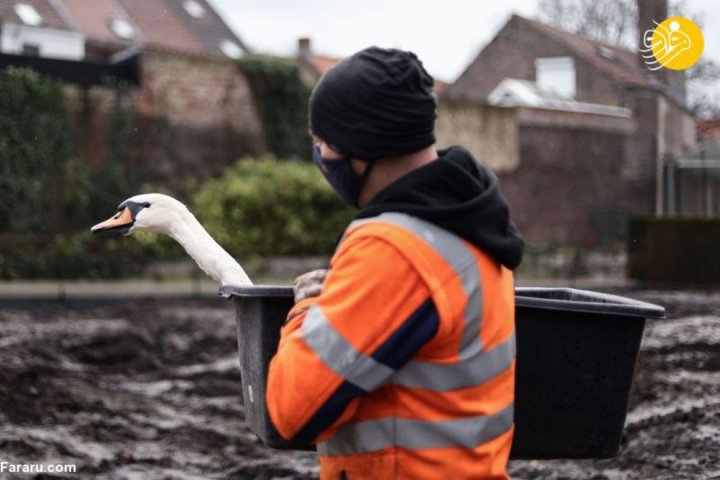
{"points": [[194, 9], [556, 74], [122, 28], [28, 14], [231, 49]]}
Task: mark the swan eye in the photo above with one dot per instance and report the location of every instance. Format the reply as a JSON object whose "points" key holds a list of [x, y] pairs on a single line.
{"points": [[146, 204]]}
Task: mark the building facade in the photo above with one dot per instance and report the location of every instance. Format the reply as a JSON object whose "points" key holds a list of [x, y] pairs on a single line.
{"points": [[593, 130], [190, 109]]}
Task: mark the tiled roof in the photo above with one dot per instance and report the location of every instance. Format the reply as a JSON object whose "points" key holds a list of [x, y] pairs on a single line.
{"points": [[323, 63], [618, 63], [160, 23], [209, 31], [708, 129], [523, 40], [51, 18], [94, 17]]}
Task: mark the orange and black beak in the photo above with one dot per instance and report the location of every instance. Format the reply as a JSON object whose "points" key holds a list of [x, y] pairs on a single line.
{"points": [[123, 220]]}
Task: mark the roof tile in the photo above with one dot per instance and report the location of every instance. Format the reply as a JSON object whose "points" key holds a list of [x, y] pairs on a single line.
{"points": [[209, 31], [51, 18], [708, 128], [94, 18], [160, 24]]}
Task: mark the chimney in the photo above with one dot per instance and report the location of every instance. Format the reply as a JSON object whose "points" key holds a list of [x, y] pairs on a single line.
{"points": [[306, 60], [304, 47], [649, 11]]}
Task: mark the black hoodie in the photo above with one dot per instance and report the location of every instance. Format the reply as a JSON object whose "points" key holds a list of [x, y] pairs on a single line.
{"points": [[459, 195]]}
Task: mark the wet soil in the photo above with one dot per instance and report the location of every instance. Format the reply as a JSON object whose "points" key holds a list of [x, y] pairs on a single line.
{"points": [[151, 389], [147, 390]]}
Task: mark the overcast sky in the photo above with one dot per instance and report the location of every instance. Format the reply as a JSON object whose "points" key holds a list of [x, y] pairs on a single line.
{"points": [[446, 34]]}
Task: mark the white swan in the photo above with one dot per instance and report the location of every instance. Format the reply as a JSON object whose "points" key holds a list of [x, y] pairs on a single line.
{"points": [[155, 212]]}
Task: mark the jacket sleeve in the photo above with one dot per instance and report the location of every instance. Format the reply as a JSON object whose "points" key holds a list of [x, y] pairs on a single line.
{"points": [[374, 314]]}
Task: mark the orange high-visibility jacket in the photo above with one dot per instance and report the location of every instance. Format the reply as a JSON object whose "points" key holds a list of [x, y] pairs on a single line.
{"points": [[404, 366]]}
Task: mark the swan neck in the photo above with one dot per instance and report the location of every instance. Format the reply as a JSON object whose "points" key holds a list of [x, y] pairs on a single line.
{"points": [[207, 253]]}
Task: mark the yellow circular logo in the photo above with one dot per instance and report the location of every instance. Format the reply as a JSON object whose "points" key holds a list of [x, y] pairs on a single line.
{"points": [[677, 44]]}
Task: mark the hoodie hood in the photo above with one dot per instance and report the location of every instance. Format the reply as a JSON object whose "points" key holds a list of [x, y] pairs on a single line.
{"points": [[457, 194]]}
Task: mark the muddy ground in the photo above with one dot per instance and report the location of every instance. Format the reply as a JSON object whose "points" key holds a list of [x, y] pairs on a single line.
{"points": [[151, 389]]}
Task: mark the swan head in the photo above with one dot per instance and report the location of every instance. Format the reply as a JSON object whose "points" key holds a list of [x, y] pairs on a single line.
{"points": [[151, 212]]}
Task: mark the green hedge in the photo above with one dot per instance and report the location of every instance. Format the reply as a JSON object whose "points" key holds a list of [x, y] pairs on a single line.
{"points": [[256, 208], [268, 207], [680, 251]]}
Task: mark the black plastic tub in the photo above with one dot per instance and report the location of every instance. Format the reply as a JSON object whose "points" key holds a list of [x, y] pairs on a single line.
{"points": [[576, 356]]}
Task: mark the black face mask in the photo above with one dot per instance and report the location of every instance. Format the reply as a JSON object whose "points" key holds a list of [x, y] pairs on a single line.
{"points": [[339, 173]]}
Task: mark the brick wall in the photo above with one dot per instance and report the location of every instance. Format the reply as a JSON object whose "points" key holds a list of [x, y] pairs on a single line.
{"points": [[575, 176], [512, 54], [579, 176], [561, 171], [489, 133], [566, 183], [191, 117]]}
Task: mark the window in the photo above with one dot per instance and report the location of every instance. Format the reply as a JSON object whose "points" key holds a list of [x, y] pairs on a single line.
{"points": [[231, 49], [28, 14], [122, 28], [30, 50], [556, 74], [194, 9]]}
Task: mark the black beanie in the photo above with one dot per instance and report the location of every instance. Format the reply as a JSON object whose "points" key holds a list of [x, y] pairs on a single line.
{"points": [[378, 103]]}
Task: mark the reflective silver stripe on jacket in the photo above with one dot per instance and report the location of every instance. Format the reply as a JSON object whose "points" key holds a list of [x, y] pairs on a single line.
{"points": [[444, 377], [374, 435], [339, 355], [476, 365], [367, 373], [454, 251]]}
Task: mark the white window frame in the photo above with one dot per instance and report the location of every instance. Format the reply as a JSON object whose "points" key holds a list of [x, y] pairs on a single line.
{"points": [[557, 74]]}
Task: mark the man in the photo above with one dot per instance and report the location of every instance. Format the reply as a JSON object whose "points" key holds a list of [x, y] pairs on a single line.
{"points": [[403, 365]]}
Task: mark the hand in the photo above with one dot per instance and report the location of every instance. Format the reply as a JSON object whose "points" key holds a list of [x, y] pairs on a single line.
{"points": [[309, 284]]}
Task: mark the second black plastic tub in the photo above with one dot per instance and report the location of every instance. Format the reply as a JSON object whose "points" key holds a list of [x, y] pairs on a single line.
{"points": [[576, 356]]}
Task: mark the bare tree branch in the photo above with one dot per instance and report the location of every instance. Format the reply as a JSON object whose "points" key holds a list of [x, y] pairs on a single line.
{"points": [[609, 21], [703, 86], [615, 22]]}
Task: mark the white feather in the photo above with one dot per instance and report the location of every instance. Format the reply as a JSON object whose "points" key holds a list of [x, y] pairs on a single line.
{"points": [[169, 216]]}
